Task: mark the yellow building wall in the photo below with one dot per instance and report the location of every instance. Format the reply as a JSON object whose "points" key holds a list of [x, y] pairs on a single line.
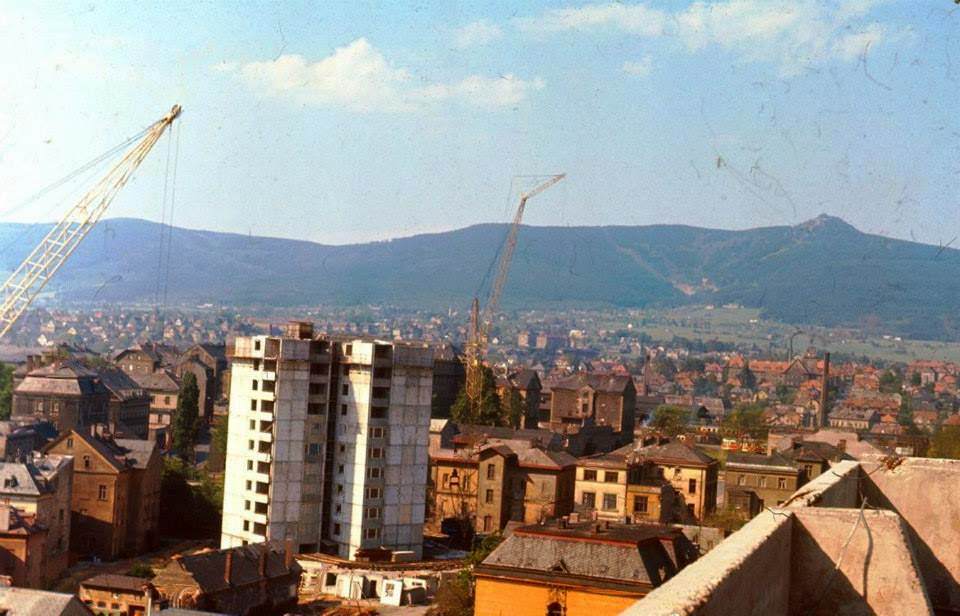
{"points": [[509, 598], [600, 487]]}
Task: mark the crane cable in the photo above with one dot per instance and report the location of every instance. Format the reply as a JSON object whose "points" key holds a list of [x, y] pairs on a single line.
{"points": [[87, 166], [163, 219], [173, 205]]}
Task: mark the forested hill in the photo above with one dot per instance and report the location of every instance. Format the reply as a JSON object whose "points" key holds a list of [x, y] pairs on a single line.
{"points": [[823, 271]]}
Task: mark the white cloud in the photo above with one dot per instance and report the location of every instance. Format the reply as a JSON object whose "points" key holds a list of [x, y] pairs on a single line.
{"points": [[477, 33], [639, 68], [357, 77], [486, 92], [636, 19], [791, 35]]}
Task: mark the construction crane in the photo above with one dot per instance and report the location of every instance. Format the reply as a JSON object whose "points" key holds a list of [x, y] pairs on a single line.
{"points": [[477, 341], [28, 279]]}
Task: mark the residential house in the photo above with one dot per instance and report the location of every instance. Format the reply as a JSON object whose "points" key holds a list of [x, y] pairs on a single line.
{"points": [[593, 399], [621, 487], [67, 394], [163, 387], [813, 458], [18, 439], [38, 491], [490, 482], [147, 358], [754, 481], [847, 418], [29, 602], [208, 363], [692, 473], [253, 579], [116, 493], [109, 593], [128, 412], [528, 485], [571, 569], [525, 384]]}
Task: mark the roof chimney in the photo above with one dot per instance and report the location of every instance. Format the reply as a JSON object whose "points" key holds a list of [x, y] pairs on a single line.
{"points": [[5, 514], [262, 562], [823, 390], [288, 553], [228, 568]]}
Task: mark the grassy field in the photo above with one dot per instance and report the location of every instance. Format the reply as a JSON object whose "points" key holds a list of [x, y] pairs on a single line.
{"points": [[745, 328]]}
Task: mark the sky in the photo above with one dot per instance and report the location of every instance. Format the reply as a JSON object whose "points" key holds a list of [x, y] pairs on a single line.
{"points": [[345, 122]]}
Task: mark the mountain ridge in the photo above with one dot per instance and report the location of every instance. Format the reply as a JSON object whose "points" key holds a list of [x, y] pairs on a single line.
{"points": [[822, 271]]}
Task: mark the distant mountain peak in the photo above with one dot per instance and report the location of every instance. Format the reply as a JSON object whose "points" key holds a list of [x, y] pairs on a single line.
{"points": [[826, 222]]}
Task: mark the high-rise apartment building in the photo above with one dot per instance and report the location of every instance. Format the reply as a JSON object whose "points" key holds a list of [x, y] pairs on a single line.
{"points": [[327, 442]]}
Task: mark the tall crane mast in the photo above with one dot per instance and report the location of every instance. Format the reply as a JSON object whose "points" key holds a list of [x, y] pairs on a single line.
{"points": [[28, 279], [480, 321]]}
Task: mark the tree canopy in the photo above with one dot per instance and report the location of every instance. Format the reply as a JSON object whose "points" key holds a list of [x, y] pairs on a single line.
{"points": [[186, 421], [490, 412], [670, 419], [744, 422], [6, 391]]}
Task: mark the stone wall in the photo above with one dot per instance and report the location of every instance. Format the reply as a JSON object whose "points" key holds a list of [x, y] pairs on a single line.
{"points": [[850, 562], [926, 494], [747, 574]]}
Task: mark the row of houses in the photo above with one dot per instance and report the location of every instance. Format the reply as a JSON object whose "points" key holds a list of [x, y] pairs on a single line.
{"points": [[135, 395], [485, 478], [84, 493]]}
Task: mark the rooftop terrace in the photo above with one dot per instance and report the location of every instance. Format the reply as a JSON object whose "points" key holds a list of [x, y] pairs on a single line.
{"points": [[877, 536]]}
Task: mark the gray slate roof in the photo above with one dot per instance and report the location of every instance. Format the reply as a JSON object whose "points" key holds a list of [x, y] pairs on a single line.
{"points": [[208, 568], [631, 554], [29, 602]]}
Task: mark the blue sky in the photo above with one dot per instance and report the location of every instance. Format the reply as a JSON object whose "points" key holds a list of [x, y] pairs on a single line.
{"points": [[340, 122]]}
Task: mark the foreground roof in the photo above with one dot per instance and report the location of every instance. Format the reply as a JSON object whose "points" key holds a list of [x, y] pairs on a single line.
{"points": [[208, 568], [29, 602], [641, 555]]}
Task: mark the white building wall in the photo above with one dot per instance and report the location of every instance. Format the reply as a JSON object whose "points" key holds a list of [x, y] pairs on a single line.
{"points": [[267, 448], [381, 415]]}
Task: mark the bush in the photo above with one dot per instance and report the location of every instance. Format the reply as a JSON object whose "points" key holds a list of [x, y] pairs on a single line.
{"points": [[141, 570]]}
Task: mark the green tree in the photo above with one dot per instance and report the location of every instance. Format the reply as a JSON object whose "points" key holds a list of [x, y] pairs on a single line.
{"points": [[905, 416], [514, 408], [915, 379], [786, 394], [745, 422], [6, 391], [186, 422], [702, 386], [141, 570], [747, 378], [218, 444], [670, 419], [456, 594], [890, 382], [192, 500], [490, 412]]}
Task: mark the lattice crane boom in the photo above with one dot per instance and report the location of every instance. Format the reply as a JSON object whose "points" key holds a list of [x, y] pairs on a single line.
{"points": [[29, 278], [480, 322]]}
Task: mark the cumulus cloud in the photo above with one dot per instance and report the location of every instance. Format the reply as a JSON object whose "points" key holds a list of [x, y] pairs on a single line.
{"points": [[358, 77], [639, 68], [791, 35], [477, 33]]}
